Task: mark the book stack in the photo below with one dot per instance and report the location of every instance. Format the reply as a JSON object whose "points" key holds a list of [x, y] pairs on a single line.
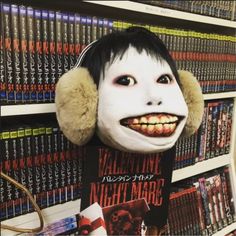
{"points": [[202, 205], [41, 158], [215, 131], [210, 57], [219, 9], [183, 215], [212, 138], [38, 46]]}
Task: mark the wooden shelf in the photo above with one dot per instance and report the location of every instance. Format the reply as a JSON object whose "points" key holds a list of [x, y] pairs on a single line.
{"points": [[219, 95], [200, 167], [159, 11], [226, 230], [27, 109]]}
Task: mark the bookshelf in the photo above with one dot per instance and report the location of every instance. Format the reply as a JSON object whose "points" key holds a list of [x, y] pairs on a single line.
{"points": [[160, 11], [66, 209], [53, 213]]}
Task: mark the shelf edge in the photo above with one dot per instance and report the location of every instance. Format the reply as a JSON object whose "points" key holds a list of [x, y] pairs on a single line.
{"points": [[219, 95], [27, 109], [155, 10], [200, 167]]}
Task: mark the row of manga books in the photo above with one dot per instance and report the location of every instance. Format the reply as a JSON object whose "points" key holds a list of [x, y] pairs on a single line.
{"points": [[44, 161], [41, 158], [219, 9], [201, 205], [210, 57], [38, 46], [212, 138]]}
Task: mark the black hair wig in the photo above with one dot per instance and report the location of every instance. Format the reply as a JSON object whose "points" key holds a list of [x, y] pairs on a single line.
{"points": [[107, 48]]}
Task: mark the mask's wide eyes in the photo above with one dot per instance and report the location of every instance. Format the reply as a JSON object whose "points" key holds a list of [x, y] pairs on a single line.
{"points": [[164, 79], [125, 80]]}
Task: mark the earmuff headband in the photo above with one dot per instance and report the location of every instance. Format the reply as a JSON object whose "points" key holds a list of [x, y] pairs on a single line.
{"points": [[82, 54]]}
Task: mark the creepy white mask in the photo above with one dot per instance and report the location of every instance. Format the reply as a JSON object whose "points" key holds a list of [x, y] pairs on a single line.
{"points": [[141, 107]]}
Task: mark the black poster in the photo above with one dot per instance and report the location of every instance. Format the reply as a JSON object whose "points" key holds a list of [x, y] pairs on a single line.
{"points": [[112, 177]]}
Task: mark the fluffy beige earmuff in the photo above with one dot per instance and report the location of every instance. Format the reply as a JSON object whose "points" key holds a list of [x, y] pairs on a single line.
{"points": [[76, 105], [194, 99], [77, 97]]}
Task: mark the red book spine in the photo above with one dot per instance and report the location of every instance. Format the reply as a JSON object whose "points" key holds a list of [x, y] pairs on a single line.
{"points": [[16, 53], [7, 45], [77, 35], [24, 55], [3, 95], [46, 65], [39, 56], [31, 55], [59, 47], [65, 41], [52, 54], [71, 39]]}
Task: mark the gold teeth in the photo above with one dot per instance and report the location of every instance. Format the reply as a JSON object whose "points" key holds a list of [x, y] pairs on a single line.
{"points": [[155, 129], [154, 119]]}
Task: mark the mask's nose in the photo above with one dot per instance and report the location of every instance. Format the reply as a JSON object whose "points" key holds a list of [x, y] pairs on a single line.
{"points": [[154, 102]]}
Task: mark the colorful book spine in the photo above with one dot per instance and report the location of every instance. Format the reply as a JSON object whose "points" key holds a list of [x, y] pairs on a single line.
{"points": [[42, 157], [226, 197], [3, 95], [83, 31], [39, 56], [65, 42], [24, 55], [88, 30], [22, 165], [230, 194], [29, 163], [16, 53], [215, 118], [71, 39], [2, 184], [31, 55], [36, 160], [94, 31], [62, 160], [59, 47], [52, 54], [78, 41], [230, 105], [203, 190], [50, 166], [55, 153], [7, 169], [8, 53], [46, 65]]}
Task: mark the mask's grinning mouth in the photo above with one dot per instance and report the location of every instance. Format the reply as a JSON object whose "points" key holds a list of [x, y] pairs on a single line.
{"points": [[153, 125]]}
